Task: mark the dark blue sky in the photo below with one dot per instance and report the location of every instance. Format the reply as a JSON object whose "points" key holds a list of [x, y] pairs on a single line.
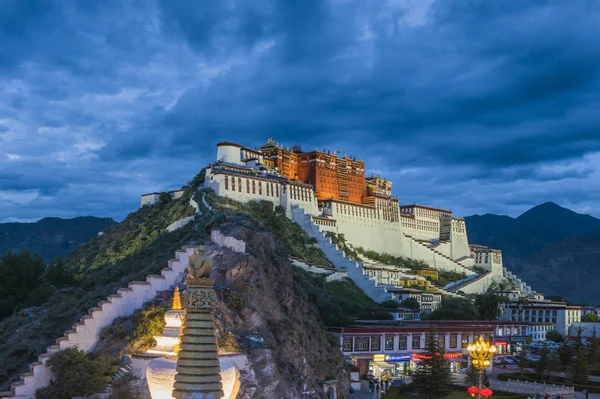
{"points": [[478, 106]]}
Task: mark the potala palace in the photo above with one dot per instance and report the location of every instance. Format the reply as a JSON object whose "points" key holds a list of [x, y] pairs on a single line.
{"points": [[324, 192]]}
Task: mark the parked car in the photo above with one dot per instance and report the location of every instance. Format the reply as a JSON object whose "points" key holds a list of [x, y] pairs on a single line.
{"points": [[398, 382]]}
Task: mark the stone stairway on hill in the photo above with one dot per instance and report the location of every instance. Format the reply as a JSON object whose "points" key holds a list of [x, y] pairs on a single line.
{"points": [[354, 269], [440, 260], [521, 285], [122, 371], [86, 333], [462, 284]]}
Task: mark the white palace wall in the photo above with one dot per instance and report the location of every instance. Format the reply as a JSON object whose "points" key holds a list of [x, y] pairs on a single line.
{"points": [[458, 237], [248, 188], [363, 227], [86, 333]]}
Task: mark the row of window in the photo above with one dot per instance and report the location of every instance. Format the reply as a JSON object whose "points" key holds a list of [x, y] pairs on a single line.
{"points": [[373, 344], [271, 189]]}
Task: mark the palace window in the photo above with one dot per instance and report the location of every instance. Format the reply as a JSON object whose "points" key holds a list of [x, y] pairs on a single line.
{"points": [[226, 182], [416, 341], [441, 340], [233, 183], [259, 188], [464, 342], [247, 186], [239, 184], [361, 344], [347, 345], [268, 189], [453, 341], [375, 344], [277, 189], [253, 187], [389, 342]]}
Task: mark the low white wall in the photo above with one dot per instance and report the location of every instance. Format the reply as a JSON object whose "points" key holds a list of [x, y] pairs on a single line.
{"points": [[85, 334], [229, 242], [179, 223]]}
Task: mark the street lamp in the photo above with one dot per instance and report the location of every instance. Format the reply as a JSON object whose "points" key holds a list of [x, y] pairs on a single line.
{"points": [[481, 352]]}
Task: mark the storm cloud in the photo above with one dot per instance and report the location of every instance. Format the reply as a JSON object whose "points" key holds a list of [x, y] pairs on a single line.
{"points": [[476, 106]]}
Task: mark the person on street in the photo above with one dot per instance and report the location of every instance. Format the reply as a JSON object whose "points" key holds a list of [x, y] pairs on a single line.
{"points": [[377, 390], [372, 387]]}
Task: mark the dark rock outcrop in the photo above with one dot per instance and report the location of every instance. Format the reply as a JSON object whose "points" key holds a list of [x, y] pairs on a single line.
{"points": [[290, 352]]}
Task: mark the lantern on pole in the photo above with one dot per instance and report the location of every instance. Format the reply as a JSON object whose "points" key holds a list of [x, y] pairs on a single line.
{"points": [[481, 353], [473, 391], [486, 392]]}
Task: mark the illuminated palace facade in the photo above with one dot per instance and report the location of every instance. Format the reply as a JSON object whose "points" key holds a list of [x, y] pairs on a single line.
{"points": [[333, 193]]}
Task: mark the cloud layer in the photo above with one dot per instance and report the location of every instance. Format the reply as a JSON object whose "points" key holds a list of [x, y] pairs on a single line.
{"points": [[476, 106]]}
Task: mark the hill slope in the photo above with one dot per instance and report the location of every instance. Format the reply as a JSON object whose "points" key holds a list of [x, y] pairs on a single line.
{"points": [[549, 246], [51, 237], [270, 310]]}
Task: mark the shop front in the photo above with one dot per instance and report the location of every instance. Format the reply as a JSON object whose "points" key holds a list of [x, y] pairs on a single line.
{"points": [[396, 365]]}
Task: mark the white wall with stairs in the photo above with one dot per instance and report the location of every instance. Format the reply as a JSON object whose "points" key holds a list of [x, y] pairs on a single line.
{"points": [[421, 251], [354, 269], [86, 333], [474, 283]]}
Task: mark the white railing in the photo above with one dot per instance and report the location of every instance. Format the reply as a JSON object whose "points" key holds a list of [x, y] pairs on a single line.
{"points": [[531, 388]]}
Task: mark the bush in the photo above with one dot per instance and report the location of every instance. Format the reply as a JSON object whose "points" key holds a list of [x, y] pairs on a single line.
{"points": [[76, 375], [148, 323], [164, 197]]}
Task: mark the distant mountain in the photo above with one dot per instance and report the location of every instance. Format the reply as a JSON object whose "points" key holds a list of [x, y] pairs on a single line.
{"points": [[541, 245], [51, 237]]}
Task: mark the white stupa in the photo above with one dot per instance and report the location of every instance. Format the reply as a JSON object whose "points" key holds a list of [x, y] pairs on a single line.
{"points": [[160, 371]]}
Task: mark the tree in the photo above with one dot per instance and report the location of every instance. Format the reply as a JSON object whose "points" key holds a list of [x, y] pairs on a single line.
{"points": [[164, 197], [22, 273], [410, 303], [433, 378], [554, 336], [454, 309], [594, 349], [548, 363], [57, 274], [76, 375], [578, 370], [487, 306], [390, 303], [541, 366], [590, 318]]}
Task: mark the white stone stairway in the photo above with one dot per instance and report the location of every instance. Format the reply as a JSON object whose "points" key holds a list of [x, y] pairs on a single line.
{"points": [[354, 269], [521, 285], [431, 255], [85, 334]]}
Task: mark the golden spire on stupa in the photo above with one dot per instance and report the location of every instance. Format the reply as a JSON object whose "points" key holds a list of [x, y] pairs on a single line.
{"points": [[176, 299]]}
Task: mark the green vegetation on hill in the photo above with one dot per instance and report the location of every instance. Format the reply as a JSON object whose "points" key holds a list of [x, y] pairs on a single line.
{"points": [[298, 242], [76, 374], [129, 251], [339, 302], [478, 307], [51, 237]]}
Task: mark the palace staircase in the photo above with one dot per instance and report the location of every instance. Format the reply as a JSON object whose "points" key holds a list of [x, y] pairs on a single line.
{"points": [[355, 270], [379, 292], [440, 260]]}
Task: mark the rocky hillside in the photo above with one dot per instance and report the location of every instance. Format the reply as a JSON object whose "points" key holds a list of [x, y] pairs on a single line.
{"points": [[270, 310], [128, 251], [551, 247], [51, 237], [272, 318]]}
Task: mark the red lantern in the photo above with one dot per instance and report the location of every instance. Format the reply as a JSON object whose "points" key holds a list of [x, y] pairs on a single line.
{"points": [[473, 391], [486, 392]]}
